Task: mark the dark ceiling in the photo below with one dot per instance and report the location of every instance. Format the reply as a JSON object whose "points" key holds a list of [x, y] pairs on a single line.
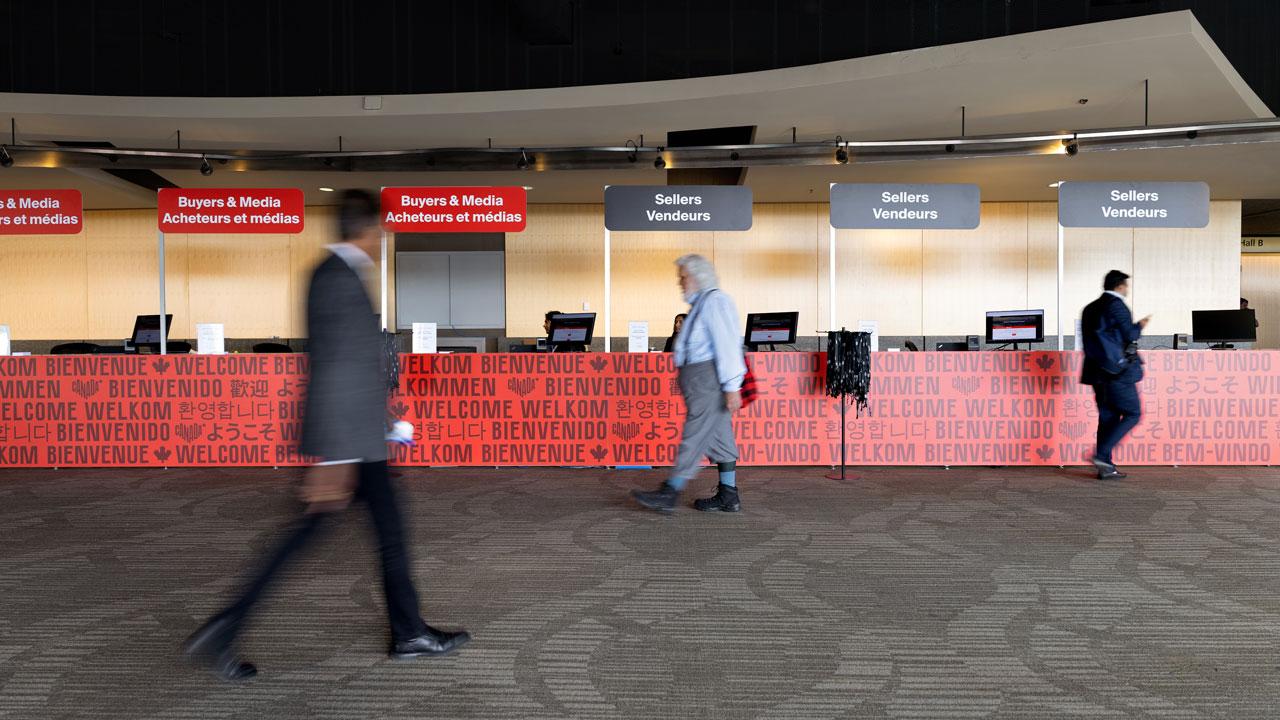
{"points": [[364, 47]]}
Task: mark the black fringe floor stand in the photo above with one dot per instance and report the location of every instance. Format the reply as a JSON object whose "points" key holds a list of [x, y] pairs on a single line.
{"points": [[848, 376]]}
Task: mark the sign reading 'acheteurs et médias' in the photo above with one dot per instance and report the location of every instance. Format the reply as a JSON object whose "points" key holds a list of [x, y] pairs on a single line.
{"points": [[677, 207], [224, 210], [892, 206], [41, 212], [454, 209], [1133, 204]]}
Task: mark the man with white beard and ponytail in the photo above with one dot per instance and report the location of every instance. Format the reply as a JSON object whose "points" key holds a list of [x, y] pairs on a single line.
{"points": [[711, 368]]}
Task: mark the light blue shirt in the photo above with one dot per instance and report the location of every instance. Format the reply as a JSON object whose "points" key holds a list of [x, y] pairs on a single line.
{"points": [[711, 332]]}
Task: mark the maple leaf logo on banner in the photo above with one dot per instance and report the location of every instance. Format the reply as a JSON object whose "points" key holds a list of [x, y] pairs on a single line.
{"points": [[1045, 361], [189, 432], [1045, 452], [598, 363], [626, 431], [1074, 430], [521, 386], [162, 454], [966, 385], [160, 365], [598, 452], [399, 409], [86, 388]]}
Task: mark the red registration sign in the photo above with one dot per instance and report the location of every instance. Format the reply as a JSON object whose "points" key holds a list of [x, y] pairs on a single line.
{"points": [[41, 212], [216, 210], [454, 209]]}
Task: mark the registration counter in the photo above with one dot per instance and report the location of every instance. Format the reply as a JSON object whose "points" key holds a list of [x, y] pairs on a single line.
{"points": [[935, 408]]}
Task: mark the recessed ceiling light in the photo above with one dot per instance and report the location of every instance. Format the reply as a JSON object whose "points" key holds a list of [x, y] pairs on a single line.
{"points": [[528, 187], [326, 189], [1055, 184]]}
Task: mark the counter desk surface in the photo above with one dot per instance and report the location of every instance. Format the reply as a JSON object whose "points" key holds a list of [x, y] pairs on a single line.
{"points": [[990, 408]]}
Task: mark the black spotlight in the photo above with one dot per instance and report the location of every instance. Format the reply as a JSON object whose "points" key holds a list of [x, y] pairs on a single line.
{"points": [[1193, 134], [1072, 149], [523, 162], [632, 151], [659, 162], [5, 158], [951, 148], [205, 168], [842, 156], [735, 156]]}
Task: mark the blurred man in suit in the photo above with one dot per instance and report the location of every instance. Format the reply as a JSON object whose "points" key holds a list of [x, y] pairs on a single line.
{"points": [[1112, 366], [344, 426]]}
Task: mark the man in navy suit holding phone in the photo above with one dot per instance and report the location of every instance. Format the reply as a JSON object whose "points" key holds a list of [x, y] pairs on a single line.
{"points": [[1112, 367]]}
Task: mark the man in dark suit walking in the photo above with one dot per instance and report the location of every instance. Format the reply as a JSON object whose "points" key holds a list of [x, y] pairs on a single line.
{"points": [[1112, 366], [344, 425]]}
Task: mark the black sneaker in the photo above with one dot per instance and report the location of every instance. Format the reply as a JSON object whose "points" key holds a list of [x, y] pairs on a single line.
{"points": [[663, 499], [725, 500]]}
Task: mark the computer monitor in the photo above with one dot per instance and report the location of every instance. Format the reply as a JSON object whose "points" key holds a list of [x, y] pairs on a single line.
{"points": [[571, 329], [776, 328], [1223, 326], [1015, 326], [952, 346], [146, 330]]}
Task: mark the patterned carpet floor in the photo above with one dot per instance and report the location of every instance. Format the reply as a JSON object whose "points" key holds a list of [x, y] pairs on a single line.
{"points": [[904, 593]]}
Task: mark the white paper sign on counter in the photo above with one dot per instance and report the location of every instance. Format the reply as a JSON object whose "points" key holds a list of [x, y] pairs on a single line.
{"points": [[424, 337], [210, 339], [873, 327], [638, 336]]}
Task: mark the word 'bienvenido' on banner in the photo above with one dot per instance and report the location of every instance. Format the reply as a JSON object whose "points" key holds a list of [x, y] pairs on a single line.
{"points": [[677, 207], [41, 212], [896, 206], [1127, 204], [222, 210], [454, 209]]}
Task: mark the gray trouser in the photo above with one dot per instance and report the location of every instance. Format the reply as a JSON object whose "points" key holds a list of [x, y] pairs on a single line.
{"points": [[708, 426]]}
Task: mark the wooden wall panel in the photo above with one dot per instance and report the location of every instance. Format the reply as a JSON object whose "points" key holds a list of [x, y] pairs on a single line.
{"points": [[968, 272], [1089, 253], [555, 264], [241, 281], [306, 250], [760, 267], [879, 276], [1176, 271], [645, 283], [123, 273], [1260, 283], [44, 287], [1042, 269]]}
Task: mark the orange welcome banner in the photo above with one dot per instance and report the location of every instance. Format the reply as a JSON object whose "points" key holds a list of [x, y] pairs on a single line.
{"points": [[992, 408]]}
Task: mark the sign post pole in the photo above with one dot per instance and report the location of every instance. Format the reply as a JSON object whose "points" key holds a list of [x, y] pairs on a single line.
{"points": [[383, 280], [164, 330], [1060, 276], [608, 285]]}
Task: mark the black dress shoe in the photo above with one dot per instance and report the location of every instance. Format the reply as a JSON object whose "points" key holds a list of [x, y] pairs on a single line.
{"points": [[210, 647], [725, 500], [1112, 474], [663, 499], [1102, 466], [431, 642]]}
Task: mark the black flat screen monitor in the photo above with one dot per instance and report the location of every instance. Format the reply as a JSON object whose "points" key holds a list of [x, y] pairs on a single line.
{"points": [[776, 328], [952, 347], [146, 330], [1223, 326], [572, 329], [1015, 326]]}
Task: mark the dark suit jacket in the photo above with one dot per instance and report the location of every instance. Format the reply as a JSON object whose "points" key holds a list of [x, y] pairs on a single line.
{"points": [[346, 406], [1108, 329]]}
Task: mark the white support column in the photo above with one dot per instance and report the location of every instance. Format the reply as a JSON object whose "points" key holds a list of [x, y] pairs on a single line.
{"points": [[1060, 276], [831, 280], [164, 329], [608, 286], [384, 280]]}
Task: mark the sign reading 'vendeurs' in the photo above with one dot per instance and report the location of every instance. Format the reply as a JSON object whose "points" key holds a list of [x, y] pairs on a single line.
{"points": [[1133, 204], [887, 206], [677, 207]]}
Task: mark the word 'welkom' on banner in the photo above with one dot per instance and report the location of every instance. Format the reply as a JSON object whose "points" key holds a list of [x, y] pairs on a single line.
{"points": [[223, 210], [454, 209], [41, 212]]}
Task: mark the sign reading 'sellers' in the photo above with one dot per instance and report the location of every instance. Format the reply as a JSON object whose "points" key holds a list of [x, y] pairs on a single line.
{"points": [[677, 207], [887, 206], [1133, 204]]}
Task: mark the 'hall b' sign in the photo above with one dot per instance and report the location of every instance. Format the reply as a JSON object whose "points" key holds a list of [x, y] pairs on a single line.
{"points": [[219, 210], [677, 207], [454, 209], [905, 207], [40, 212], [1133, 204]]}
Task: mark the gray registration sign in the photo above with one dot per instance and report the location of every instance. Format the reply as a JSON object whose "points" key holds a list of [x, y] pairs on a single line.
{"points": [[677, 207], [905, 207], [1133, 204]]}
